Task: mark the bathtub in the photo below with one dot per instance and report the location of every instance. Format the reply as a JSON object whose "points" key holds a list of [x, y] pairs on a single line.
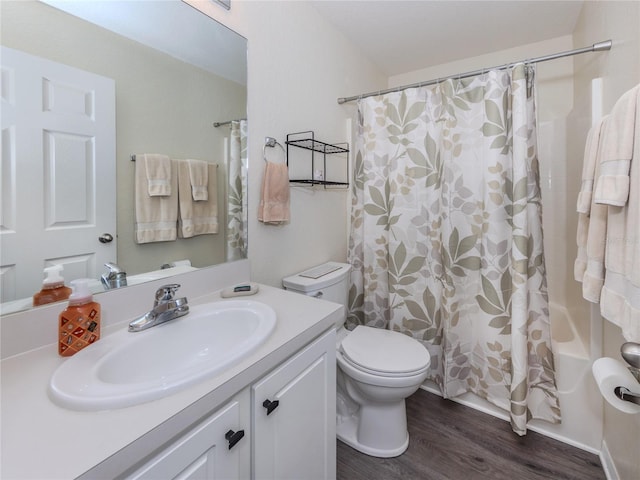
{"points": [[570, 353], [580, 400]]}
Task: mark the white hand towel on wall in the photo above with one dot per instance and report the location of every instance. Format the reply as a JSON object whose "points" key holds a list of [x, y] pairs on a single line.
{"points": [[156, 216], [593, 278], [158, 173], [196, 217], [612, 186], [584, 207], [620, 299], [199, 175]]}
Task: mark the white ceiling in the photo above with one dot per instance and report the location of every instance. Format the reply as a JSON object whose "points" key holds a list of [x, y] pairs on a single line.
{"points": [[401, 36], [173, 27]]}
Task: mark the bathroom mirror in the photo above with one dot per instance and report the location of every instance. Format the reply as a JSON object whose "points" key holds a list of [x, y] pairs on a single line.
{"points": [[176, 72]]}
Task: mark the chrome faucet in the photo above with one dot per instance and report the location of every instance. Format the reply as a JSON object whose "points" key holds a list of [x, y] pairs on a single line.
{"points": [[166, 307], [116, 277]]}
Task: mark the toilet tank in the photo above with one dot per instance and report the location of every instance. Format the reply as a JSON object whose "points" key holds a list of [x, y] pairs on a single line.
{"points": [[329, 281]]}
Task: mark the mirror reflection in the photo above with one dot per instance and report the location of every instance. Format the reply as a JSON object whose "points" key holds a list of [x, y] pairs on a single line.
{"points": [[174, 72]]}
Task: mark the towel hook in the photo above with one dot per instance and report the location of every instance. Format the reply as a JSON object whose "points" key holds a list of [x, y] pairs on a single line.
{"points": [[270, 142]]}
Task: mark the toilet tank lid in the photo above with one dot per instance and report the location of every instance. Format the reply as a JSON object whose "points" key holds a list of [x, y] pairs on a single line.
{"points": [[318, 277]]}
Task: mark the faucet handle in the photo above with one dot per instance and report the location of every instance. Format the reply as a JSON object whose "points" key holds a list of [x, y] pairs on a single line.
{"points": [[166, 293], [113, 268]]}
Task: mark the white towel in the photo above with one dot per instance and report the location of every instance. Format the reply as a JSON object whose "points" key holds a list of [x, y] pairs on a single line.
{"points": [[199, 175], [201, 217], [158, 173], [589, 167], [620, 299], [612, 186], [584, 205], [156, 217]]}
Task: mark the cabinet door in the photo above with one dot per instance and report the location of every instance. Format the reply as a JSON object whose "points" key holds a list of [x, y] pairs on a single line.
{"points": [[296, 438], [205, 452]]}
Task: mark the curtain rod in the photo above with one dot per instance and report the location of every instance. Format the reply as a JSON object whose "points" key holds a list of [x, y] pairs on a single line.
{"points": [[596, 47], [219, 124]]}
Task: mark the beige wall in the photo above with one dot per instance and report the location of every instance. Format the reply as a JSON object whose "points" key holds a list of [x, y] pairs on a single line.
{"points": [[620, 71], [298, 66], [155, 93]]}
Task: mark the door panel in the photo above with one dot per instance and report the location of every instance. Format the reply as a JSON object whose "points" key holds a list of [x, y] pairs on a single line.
{"points": [[58, 171]]}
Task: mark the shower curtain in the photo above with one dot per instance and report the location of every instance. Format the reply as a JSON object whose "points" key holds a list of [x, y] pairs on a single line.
{"points": [[237, 192], [446, 236]]}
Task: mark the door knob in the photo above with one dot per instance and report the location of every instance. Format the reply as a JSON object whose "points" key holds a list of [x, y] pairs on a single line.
{"points": [[105, 238]]}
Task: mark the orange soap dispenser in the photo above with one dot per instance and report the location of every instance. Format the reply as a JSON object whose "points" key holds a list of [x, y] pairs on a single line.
{"points": [[53, 289], [79, 323]]}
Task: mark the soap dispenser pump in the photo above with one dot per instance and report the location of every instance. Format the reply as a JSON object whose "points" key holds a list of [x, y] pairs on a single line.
{"points": [[53, 288], [79, 323]]}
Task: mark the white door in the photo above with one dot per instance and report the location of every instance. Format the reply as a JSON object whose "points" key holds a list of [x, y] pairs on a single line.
{"points": [[296, 438], [218, 448], [58, 172]]}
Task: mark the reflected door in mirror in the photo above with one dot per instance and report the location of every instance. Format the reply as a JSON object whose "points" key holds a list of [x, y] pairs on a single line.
{"points": [[58, 180]]}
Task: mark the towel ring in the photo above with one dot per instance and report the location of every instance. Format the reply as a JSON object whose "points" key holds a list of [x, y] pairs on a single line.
{"points": [[271, 142]]}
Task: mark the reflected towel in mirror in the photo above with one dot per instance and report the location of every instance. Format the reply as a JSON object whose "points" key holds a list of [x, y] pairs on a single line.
{"points": [[199, 176], [158, 173], [156, 216], [196, 217]]}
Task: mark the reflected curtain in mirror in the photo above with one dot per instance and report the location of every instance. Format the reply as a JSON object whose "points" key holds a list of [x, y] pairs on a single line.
{"points": [[237, 199]]}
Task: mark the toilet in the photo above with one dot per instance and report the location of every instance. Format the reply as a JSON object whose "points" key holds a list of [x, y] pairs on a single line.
{"points": [[377, 370]]}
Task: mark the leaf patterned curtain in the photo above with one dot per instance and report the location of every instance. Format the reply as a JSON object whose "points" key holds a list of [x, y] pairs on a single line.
{"points": [[446, 236], [237, 205]]}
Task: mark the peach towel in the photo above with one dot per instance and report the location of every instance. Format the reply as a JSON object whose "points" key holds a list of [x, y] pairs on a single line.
{"points": [[274, 196]]}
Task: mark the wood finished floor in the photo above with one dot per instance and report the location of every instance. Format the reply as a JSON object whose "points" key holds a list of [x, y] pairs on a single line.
{"points": [[450, 441]]}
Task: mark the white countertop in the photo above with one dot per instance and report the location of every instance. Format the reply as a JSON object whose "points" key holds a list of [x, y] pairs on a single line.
{"points": [[41, 440]]}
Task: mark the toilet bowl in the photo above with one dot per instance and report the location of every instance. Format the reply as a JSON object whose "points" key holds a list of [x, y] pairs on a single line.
{"points": [[377, 370], [380, 369]]}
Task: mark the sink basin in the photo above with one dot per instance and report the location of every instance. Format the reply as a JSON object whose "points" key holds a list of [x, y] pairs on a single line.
{"points": [[125, 369]]}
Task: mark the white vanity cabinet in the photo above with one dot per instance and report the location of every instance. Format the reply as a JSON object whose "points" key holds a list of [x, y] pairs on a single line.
{"points": [[294, 416], [218, 448], [284, 425]]}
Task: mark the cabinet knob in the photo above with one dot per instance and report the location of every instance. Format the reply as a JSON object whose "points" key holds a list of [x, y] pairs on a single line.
{"points": [[233, 437], [270, 406]]}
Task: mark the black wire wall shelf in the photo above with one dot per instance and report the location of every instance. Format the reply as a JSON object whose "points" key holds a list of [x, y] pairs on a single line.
{"points": [[306, 141]]}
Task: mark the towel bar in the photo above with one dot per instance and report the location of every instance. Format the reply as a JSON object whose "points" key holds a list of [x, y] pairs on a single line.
{"points": [[271, 142]]}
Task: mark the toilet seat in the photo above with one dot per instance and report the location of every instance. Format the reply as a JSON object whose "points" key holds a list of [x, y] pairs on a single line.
{"points": [[384, 353]]}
